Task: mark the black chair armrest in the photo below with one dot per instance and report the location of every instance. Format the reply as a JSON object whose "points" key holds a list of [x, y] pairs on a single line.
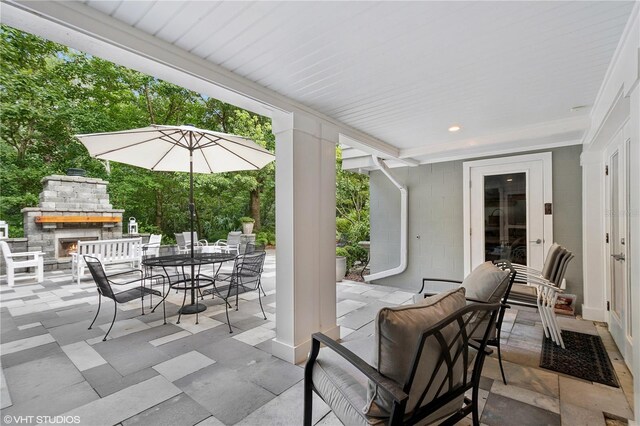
{"points": [[129, 271], [390, 386], [442, 280]]}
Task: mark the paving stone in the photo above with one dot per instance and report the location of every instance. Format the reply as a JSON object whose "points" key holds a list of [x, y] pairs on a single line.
{"points": [[32, 354], [499, 410], [41, 377], [75, 332], [83, 356], [233, 354], [595, 397], [255, 335], [573, 415], [527, 396], [106, 374], [128, 358], [210, 421], [169, 338], [237, 397], [27, 343], [183, 365], [286, 410], [195, 341], [179, 410], [126, 403], [346, 306], [534, 379], [5, 397], [273, 374], [55, 403], [17, 334]]}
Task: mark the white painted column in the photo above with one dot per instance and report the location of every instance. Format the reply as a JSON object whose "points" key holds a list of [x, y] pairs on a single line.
{"points": [[305, 234], [593, 235]]}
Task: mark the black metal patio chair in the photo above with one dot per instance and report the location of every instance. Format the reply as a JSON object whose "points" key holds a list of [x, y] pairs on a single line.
{"points": [[484, 286], [422, 367], [104, 282], [245, 276]]}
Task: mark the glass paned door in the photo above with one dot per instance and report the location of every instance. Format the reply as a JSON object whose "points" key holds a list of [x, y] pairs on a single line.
{"points": [[508, 211], [505, 217]]}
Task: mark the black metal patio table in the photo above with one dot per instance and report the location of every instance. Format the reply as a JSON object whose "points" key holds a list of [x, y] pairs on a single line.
{"points": [[195, 280]]}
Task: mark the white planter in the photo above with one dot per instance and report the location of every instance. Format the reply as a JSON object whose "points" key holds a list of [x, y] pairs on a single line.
{"points": [[341, 268], [247, 228]]}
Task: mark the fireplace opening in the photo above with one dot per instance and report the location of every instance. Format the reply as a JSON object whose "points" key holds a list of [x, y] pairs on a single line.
{"points": [[66, 246]]}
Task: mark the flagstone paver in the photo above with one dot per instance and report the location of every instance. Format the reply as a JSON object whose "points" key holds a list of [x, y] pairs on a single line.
{"points": [[148, 372]]}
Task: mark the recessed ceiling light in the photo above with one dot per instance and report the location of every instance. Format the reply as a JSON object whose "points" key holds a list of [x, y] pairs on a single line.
{"points": [[454, 128], [510, 180]]}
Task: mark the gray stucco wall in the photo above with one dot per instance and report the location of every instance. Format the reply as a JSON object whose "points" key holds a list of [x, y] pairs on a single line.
{"points": [[435, 220]]}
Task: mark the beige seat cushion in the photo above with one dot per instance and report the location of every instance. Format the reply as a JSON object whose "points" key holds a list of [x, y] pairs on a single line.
{"points": [[524, 293], [397, 335], [486, 283], [342, 386]]}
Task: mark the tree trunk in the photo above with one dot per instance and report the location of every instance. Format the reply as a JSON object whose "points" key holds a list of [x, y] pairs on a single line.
{"points": [[159, 209], [254, 206]]}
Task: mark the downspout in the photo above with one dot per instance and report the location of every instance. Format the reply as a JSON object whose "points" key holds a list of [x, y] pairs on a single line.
{"points": [[404, 218]]}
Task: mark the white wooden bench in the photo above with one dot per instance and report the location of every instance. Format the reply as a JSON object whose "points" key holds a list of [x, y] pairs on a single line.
{"points": [[110, 252]]}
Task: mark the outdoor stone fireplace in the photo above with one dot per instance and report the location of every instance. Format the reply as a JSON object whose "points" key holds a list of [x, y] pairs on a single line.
{"points": [[71, 208]]}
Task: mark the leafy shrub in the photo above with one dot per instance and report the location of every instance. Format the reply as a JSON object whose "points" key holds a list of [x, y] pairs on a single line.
{"points": [[342, 225], [357, 254], [344, 251], [266, 237]]}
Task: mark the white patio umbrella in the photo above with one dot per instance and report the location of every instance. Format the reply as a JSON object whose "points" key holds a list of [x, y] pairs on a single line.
{"points": [[178, 149]]}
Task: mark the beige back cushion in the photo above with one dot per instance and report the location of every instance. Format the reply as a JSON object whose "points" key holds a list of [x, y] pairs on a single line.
{"points": [[398, 331], [486, 283]]}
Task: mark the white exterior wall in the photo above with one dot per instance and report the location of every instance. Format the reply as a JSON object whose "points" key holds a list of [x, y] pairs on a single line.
{"points": [[617, 107]]}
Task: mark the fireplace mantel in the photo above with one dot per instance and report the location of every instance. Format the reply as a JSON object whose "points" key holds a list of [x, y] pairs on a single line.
{"points": [[77, 219]]}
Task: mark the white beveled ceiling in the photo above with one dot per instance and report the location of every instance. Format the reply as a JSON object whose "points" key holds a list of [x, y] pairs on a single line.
{"points": [[403, 72]]}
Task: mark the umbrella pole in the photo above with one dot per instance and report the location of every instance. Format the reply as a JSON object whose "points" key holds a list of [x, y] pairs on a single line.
{"points": [[193, 308], [192, 209]]}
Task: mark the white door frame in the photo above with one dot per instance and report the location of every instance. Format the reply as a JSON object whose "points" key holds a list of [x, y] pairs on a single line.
{"points": [[619, 327], [544, 157]]}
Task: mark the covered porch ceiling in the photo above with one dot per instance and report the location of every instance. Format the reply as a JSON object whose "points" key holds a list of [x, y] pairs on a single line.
{"points": [[393, 76]]}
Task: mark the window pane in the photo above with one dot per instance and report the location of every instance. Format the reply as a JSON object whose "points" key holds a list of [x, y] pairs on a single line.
{"points": [[505, 217]]}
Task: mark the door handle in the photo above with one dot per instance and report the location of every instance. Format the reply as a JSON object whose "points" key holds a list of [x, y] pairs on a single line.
{"points": [[538, 241], [618, 256]]}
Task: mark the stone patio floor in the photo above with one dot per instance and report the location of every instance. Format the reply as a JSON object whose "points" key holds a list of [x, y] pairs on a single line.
{"points": [[187, 374]]}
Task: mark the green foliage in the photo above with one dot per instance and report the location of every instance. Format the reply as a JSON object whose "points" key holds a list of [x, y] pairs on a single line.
{"points": [[341, 251], [353, 254], [357, 253], [342, 225], [352, 212], [266, 237], [49, 92], [247, 219]]}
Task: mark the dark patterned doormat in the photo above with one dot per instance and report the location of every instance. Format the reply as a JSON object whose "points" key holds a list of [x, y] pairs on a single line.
{"points": [[584, 357]]}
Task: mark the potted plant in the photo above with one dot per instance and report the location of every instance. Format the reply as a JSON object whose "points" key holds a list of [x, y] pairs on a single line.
{"points": [[341, 263], [247, 224]]}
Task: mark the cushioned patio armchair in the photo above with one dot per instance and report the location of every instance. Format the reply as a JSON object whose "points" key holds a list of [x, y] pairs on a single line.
{"points": [[490, 282], [424, 362]]}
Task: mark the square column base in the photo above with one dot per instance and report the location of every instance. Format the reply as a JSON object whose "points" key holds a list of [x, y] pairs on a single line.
{"points": [[298, 354]]}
